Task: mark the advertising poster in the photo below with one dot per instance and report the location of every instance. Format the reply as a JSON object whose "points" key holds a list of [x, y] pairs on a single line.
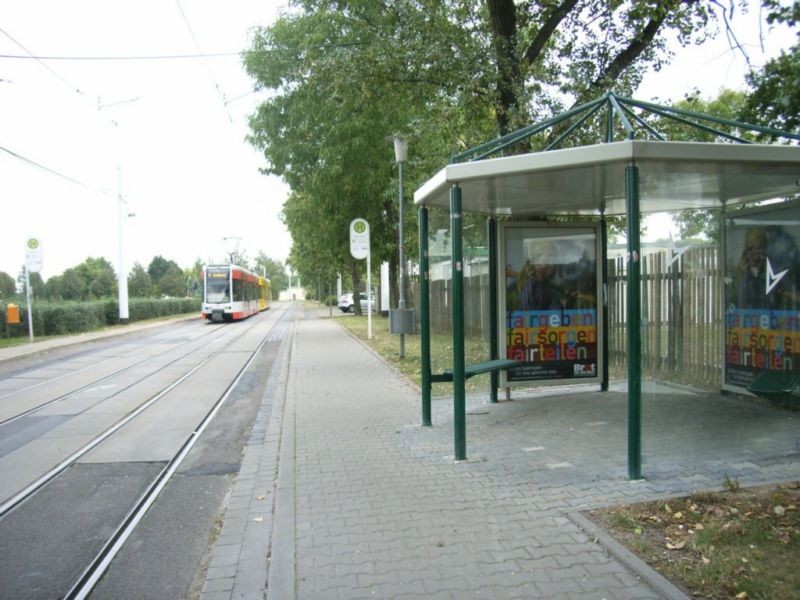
{"points": [[762, 272], [551, 313]]}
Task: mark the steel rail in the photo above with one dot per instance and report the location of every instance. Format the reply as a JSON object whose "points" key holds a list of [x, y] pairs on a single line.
{"points": [[74, 392], [15, 500], [92, 574]]}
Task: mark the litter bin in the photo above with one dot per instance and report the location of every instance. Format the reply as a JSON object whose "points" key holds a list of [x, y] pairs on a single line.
{"points": [[12, 314], [402, 321]]}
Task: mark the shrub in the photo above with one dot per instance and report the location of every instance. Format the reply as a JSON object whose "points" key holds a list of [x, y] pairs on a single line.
{"points": [[58, 318]]}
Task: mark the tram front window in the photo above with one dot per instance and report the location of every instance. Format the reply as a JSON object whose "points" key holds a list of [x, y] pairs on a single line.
{"points": [[217, 291]]}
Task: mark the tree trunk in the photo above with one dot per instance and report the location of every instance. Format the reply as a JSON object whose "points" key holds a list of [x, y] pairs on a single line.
{"points": [[503, 19], [355, 274]]}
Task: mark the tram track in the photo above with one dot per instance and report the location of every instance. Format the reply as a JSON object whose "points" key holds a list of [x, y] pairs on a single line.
{"points": [[82, 587], [95, 382]]}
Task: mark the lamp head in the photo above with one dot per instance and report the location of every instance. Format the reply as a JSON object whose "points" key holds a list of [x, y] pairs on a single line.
{"points": [[400, 149]]}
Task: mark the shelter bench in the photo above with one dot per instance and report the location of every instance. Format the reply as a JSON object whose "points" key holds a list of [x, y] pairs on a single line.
{"points": [[782, 385], [487, 366]]}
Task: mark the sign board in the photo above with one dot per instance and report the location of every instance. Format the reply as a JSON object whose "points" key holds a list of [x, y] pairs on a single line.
{"points": [[551, 318], [762, 294], [359, 238], [33, 255]]}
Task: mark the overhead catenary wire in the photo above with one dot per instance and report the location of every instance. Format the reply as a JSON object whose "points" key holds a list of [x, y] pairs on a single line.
{"points": [[53, 171], [40, 60], [205, 62], [189, 56]]}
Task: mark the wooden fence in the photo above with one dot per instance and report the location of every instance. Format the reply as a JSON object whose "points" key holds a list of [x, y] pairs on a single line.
{"points": [[682, 319]]}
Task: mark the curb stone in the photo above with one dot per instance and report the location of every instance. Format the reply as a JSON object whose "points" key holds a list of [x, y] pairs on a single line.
{"points": [[636, 565]]}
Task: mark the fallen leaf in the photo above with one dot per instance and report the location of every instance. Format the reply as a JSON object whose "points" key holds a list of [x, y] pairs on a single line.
{"points": [[258, 519], [678, 546], [638, 531], [779, 510], [742, 595], [706, 561], [699, 526], [677, 515]]}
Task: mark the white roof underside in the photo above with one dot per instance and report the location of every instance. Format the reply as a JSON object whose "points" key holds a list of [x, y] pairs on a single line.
{"points": [[591, 179]]}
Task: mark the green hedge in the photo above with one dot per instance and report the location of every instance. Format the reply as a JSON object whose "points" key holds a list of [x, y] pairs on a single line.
{"points": [[58, 318]]}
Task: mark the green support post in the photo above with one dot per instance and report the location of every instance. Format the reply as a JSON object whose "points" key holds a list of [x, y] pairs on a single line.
{"points": [[604, 306], [634, 326], [457, 258], [425, 316], [491, 225]]}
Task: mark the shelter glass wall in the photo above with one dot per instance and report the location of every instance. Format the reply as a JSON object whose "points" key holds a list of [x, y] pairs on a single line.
{"points": [[476, 293], [550, 319], [762, 281]]}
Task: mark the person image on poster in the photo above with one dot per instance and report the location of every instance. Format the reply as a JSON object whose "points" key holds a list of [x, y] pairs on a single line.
{"points": [[537, 290], [751, 270]]}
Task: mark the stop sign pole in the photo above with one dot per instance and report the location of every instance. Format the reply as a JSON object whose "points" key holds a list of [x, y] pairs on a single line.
{"points": [[359, 249], [33, 263]]}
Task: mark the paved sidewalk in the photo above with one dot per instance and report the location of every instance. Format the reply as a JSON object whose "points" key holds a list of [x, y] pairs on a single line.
{"points": [[368, 504]]}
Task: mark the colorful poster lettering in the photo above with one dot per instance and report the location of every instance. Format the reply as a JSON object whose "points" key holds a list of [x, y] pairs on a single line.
{"points": [[551, 302], [762, 280]]}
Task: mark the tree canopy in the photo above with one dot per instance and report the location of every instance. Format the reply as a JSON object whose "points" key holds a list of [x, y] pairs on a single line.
{"points": [[8, 287], [447, 74]]}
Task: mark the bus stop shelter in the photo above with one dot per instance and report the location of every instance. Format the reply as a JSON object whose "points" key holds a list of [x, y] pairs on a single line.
{"points": [[629, 177]]}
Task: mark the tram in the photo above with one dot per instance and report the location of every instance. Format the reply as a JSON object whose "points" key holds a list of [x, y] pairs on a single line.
{"points": [[232, 293], [264, 293]]}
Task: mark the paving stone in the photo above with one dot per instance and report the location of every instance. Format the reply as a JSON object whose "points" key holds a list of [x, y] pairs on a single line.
{"points": [[380, 511]]}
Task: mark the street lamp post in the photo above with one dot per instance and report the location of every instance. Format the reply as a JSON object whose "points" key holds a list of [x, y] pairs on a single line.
{"points": [[400, 156]]}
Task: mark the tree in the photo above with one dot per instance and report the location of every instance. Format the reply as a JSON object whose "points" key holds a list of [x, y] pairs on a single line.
{"points": [[775, 97], [8, 287], [275, 272], [449, 72], [158, 267], [98, 278], [139, 283], [37, 285], [72, 286], [194, 278], [727, 105], [580, 49], [172, 282]]}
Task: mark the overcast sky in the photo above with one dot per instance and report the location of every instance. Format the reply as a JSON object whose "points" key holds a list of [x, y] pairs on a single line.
{"points": [[173, 129]]}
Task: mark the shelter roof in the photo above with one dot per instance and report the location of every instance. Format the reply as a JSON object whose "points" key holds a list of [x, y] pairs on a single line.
{"points": [[591, 179]]}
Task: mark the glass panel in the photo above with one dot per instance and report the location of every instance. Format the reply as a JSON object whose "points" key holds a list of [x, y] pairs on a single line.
{"points": [[762, 277], [551, 312], [217, 290]]}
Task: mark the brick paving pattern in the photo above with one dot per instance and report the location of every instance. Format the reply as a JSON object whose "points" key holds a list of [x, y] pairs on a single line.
{"points": [[371, 505]]}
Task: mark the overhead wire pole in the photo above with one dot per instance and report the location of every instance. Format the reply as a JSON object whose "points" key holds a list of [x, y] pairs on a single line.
{"points": [[122, 284]]}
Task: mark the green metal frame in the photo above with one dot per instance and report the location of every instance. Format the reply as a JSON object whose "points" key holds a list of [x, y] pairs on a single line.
{"points": [[494, 304], [425, 316], [634, 271], [457, 258], [618, 110]]}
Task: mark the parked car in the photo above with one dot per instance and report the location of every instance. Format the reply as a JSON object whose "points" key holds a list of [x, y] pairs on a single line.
{"points": [[346, 302]]}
